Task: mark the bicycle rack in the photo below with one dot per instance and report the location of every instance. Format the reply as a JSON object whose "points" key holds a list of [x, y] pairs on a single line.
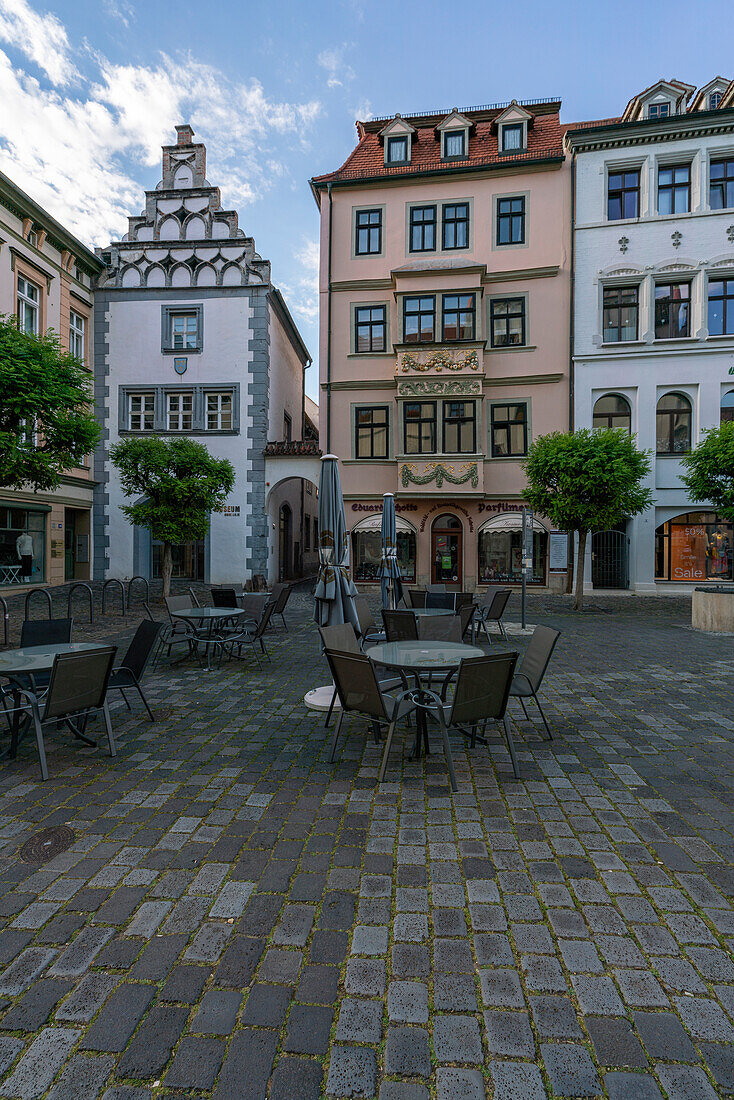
{"points": [[6, 620], [130, 584], [39, 592], [105, 586], [86, 588]]}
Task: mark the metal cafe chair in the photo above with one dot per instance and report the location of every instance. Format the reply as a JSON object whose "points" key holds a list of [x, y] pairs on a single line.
{"points": [[529, 676], [342, 637], [194, 598], [480, 696], [440, 628], [130, 672], [368, 628], [359, 692], [45, 632], [444, 600], [436, 588], [417, 597], [175, 631], [491, 611], [400, 626], [280, 595], [249, 633], [77, 690]]}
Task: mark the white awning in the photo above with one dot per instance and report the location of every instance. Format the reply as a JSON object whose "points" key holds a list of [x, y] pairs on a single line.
{"points": [[509, 521], [374, 523]]}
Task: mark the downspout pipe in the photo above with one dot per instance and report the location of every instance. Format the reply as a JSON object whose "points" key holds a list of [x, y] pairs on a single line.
{"points": [[328, 333]]}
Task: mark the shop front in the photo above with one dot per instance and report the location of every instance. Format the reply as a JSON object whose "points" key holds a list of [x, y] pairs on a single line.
{"points": [[465, 545], [22, 543], [695, 547]]}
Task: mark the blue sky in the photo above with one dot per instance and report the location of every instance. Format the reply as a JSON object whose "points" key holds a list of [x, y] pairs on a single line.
{"points": [[90, 89]]}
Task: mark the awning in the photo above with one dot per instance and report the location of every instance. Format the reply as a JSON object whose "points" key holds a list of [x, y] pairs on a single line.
{"points": [[25, 505], [374, 523], [509, 521]]}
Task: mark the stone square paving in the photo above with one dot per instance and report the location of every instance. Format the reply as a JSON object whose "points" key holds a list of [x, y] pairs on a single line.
{"points": [[238, 919]]}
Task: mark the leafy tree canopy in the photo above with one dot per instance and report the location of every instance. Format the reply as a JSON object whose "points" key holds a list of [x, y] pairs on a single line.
{"points": [[710, 470], [181, 483], [46, 425]]}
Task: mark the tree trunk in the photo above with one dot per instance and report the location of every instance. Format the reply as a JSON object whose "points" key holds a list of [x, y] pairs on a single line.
{"points": [[167, 568], [569, 572], [578, 603]]}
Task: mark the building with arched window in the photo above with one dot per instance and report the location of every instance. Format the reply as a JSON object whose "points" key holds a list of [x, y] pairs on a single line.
{"points": [[654, 315]]}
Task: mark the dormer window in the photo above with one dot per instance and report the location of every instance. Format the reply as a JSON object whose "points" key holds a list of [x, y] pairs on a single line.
{"points": [[454, 143], [714, 100], [513, 137], [397, 149], [658, 110]]}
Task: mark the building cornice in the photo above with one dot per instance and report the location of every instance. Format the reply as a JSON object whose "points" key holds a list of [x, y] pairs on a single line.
{"points": [[650, 131], [277, 301], [487, 277], [516, 168], [524, 380]]}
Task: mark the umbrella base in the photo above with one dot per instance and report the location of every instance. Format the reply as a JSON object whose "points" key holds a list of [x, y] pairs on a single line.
{"points": [[320, 698]]}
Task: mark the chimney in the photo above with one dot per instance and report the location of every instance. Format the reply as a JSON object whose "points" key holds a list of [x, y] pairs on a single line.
{"points": [[184, 134]]}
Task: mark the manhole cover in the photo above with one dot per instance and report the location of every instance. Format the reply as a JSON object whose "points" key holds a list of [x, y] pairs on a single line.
{"points": [[44, 846]]}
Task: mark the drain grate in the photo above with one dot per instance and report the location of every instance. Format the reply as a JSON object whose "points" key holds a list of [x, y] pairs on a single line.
{"points": [[47, 844]]}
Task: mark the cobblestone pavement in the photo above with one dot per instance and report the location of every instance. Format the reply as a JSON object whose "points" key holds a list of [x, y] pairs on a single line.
{"points": [[237, 918]]}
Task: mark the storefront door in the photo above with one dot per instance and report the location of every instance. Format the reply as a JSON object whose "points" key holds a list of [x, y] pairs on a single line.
{"points": [[447, 551], [69, 543]]}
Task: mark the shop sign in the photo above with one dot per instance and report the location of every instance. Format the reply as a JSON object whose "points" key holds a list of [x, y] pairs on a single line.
{"points": [[228, 510], [442, 506], [498, 506], [378, 507], [687, 552]]}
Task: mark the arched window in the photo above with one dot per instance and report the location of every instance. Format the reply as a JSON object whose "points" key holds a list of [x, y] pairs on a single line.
{"points": [[673, 424], [695, 546], [727, 407], [366, 550], [613, 411]]}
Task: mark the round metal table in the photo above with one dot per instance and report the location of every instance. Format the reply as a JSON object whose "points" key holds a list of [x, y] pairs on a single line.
{"points": [[421, 658], [420, 612], [210, 616], [39, 658]]}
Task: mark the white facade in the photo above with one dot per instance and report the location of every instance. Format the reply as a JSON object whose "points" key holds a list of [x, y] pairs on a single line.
{"points": [[691, 249], [192, 338]]}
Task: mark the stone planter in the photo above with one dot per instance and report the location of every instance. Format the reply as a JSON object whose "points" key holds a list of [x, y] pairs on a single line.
{"points": [[713, 610]]}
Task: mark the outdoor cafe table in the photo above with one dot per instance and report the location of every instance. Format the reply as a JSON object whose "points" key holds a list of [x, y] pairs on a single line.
{"points": [[17, 664], [209, 617], [420, 659], [425, 611]]}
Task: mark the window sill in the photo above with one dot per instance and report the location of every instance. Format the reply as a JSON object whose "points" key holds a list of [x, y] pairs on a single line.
{"points": [[724, 336], [608, 344], [369, 354], [366, 461], [672, 454], [442, 456], [674, 340], [507, 458], [185, 434], [513, 347]]}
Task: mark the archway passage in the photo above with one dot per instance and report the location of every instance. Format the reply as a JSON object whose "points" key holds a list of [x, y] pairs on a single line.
{"points": [[447, 551]]}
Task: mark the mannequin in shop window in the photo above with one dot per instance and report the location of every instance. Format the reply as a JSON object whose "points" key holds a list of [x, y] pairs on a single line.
{"points": [[24, 550]]}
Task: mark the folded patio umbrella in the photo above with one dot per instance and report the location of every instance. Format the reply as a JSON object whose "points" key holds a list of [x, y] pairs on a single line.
{"points": [[391, 583], [334, 593]]}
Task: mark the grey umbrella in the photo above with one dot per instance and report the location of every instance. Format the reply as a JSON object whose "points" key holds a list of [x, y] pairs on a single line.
{"points": [[334, 593], [391, 584]]}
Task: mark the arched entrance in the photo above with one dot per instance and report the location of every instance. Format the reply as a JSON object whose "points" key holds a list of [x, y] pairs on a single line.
{"points": [[285, 542], [447, 551]]}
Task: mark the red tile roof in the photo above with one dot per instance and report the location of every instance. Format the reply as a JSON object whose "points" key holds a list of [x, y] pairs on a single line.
{"points": [[545, 142]]}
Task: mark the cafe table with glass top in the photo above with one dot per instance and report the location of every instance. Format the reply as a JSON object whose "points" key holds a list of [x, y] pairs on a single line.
{"points": [[424, 612], [419, 659]]}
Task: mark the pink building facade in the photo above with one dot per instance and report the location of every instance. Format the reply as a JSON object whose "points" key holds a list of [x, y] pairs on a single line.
{"points": [[444, 343]]}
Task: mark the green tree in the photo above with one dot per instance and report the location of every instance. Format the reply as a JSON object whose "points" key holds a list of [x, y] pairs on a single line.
{"points": [[179, 483], [586, 481], [46, 425], [709, 473]]}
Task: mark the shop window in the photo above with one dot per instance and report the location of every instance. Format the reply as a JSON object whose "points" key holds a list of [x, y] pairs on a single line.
{"points": [[727, 407], [673, 418], [695, 546], [613, 411], [500, 556], [22, 546], [367, 553]]}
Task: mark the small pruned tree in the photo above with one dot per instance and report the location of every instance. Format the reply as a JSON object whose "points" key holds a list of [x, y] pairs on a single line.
{"points": [[46, 425], [586, 481], [709, 467], [179, 483]]}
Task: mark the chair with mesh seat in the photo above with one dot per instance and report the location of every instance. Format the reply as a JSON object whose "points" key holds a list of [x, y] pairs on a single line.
{"points": [[436, 588], [77, 691], [44, 632], [280, 595], [130, 672], [480, 696], [400, 626], [194, 598], [358, 689], [369, 630], [446, 601], [343, 638], [224, 597], [466, 617], [175, 631], [491, 611], [439, 628], [247, 633], [529, 676], [417, 597]]}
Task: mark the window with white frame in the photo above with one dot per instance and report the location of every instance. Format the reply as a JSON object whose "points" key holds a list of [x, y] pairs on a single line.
{"points": [[28, 305], [141, 412], [658, 110], [180, 411], [184, 331], [398, 149], [513, 137], [219, 412], [714, 100], [454, 143], [76, 334]]}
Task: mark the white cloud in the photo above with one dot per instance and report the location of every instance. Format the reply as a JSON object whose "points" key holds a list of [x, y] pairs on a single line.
{"points": [[120, 9], [303, 295], [42, 38], [333, 61], [363, 111], [75, 151]]}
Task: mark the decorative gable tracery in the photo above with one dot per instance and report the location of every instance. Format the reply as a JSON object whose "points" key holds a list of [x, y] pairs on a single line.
{"points": [[183, 237]]}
